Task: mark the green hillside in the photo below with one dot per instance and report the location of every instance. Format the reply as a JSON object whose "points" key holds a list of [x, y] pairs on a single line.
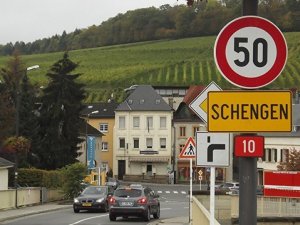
{"points": [[188, 61]]}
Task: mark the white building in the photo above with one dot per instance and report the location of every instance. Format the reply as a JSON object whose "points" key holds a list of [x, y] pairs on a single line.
{"points": [[142, 135], [4, 166]]}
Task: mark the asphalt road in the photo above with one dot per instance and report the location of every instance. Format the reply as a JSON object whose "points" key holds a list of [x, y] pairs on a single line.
{"points": [[173, 198]]}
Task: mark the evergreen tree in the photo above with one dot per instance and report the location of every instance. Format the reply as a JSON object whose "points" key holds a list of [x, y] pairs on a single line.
{"points": [[59, 118]]}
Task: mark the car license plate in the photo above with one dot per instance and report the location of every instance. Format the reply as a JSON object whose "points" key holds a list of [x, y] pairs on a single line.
{"points": [[86, 204], [126, 204]]}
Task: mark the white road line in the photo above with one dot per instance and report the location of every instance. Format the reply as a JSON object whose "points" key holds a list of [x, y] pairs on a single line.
{"points": [[159, 192], [79, 221], [183, 192], [175, 192], [168, 192]]}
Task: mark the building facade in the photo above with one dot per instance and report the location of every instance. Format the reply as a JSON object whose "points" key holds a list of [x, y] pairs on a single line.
{"points": [[142, 135]]}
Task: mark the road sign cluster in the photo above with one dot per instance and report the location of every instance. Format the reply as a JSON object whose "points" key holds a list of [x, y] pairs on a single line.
{"points": [[250, 52]]}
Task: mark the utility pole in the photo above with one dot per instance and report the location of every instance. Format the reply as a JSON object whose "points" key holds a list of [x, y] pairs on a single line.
{"points": [[248, 165]]}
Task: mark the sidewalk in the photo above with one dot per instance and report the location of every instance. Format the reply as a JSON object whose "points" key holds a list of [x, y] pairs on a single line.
{"points": [[31, 210], [172, 221]]}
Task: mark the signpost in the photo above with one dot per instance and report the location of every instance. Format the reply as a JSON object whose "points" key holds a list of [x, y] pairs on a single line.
{"points": [[249, 146], [189, 152], [199, 104], [212, 150], [250, 52], [249, 111]]}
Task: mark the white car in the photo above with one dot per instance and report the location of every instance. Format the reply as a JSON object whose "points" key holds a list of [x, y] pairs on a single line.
{"points": [[229, 186]]}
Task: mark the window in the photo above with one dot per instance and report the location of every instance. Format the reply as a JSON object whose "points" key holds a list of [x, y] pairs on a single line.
{"points": [[104, 146], [163, 143], [122, 122], [122, 142], [104, 127], [284, 154], [180, 148], [195, 129], [182, 131], [163, 122], [149, 122], [274, 154], [136, 122], [149, 142], [136, 143]]}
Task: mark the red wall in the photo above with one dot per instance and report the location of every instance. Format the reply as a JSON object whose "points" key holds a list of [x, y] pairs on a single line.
{"points": [[282, 184]]}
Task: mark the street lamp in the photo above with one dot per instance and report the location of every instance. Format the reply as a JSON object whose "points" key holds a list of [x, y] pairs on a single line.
{"points": [[18, 125], [86, 135]]}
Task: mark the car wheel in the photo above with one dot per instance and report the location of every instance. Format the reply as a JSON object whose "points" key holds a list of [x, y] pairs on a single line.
{"points": [[112, 217], [76, 210], [147, 215], [157, 214]]}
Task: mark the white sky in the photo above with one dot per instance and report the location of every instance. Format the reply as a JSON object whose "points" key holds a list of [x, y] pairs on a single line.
{"points": [[29, 20]]}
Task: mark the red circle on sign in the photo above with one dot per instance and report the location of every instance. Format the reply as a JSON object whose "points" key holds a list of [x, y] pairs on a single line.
{"points": [[222, 60]]}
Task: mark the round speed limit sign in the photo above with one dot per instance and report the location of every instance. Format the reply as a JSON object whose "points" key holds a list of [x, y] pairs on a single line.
{"points": [[250, 52]]}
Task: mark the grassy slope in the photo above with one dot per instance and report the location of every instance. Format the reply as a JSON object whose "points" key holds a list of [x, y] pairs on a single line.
{"points": [[176, 62]]}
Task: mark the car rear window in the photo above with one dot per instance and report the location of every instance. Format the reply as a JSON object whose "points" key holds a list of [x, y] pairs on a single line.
{"points": [[125, 193]]}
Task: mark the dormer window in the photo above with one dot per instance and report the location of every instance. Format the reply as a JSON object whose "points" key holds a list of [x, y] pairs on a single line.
{"points": [[157, 101], [130, 101], [142, 101]]}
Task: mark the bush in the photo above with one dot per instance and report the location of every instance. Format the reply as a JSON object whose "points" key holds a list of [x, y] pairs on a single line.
{"points": [[73, 176], [39, 178]]}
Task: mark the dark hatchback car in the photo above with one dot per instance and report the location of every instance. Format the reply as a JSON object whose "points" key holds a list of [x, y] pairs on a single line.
{"points": [[136, 201], [93, 198]]}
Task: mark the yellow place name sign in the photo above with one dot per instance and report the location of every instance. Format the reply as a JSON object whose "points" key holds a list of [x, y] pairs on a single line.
{"points": [[249, 111]]}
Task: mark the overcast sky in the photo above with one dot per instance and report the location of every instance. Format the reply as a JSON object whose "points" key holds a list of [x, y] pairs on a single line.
{"points": [[29, 20]]}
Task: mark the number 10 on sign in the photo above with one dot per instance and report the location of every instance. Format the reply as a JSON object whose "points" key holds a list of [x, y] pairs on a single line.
{"points": [[248, 146]]}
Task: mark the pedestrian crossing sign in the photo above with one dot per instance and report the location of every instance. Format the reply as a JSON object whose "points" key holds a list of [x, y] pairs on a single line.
{"points": [[189, 150]]}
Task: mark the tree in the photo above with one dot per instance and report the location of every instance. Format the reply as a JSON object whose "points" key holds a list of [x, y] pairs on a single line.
{"points": [[292, 162], [17, 148], [7, 111], [59, 116]]}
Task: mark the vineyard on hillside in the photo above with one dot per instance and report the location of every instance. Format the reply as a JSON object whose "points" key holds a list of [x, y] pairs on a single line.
{"points": [[188, 61]]}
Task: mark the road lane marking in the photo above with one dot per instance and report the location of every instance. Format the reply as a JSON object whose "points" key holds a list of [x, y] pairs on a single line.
{"points": [[168, 192], [183, 192], [89, 218], [159, 192], [175, 192]]}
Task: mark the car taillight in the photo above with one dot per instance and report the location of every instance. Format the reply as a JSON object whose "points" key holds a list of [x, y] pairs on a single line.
{"points": [[112, 201], [142, 201]]}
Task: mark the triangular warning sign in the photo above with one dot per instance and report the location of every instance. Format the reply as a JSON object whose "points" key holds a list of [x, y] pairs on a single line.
{"points": [[189, 150]]}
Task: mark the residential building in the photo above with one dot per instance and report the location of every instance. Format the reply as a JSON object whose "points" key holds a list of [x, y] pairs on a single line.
{"points": [[89, 148], [102, 117], [173, 95], [4, 166], [142, 135], [185, 124]]}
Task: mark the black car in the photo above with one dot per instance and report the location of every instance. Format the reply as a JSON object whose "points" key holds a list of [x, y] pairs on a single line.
{"points": [[92, 198], [137, 201]]}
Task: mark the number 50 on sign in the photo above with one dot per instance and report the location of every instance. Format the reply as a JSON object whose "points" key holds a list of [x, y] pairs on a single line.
{"points": [[249, 146]]}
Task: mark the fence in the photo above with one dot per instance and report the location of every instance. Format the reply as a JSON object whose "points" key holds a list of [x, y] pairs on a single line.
{"points": [[27, 196]]}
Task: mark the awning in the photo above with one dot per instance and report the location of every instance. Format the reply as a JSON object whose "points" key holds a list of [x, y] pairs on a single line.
{"points": [[149, 159]]}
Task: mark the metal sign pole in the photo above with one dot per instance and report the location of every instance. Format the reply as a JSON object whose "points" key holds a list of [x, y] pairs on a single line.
{"points": [[247, 165], [191, 190], [212, 195]]}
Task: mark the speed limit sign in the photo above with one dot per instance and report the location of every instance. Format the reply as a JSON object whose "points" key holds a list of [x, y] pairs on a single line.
{"points": [[250, 52]]}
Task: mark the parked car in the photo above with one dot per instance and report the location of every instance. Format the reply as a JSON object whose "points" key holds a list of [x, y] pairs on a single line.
{"points": [[112, 182], [137, 201], [93, 198], [228, 186]]}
